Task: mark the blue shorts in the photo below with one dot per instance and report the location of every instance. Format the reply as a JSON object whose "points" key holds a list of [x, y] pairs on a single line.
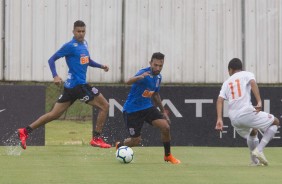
{"points": [[83, 92], [134, 121]]}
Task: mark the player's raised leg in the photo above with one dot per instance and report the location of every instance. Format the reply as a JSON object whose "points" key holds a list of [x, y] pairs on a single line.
{"points": [[130, 142], [267, 137], [55, 113], [103, 106]]}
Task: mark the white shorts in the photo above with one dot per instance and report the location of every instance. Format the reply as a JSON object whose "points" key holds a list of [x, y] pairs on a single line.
{"points": [[248, 120]]}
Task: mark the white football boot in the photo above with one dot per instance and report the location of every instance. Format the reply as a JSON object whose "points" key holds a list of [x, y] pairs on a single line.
{"points": [[260, 156]]}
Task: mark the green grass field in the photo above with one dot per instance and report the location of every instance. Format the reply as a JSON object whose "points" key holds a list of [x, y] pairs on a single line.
{"points": [[68, 159]]}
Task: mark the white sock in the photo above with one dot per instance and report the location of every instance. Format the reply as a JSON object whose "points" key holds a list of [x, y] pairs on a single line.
{"points": [[252, 142], [268, 135]]}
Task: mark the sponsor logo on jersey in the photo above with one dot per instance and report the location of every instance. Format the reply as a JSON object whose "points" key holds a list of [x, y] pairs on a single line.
{"points": [[84, 60], [75, 44], [147, 93]]}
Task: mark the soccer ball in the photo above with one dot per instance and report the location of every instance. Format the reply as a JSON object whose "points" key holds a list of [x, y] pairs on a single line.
{"points": [[124, 154]]}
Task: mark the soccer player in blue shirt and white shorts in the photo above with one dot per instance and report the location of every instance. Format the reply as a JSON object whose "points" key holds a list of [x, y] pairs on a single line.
{"points": [[246, 118], [138, 107], [75, 87]]}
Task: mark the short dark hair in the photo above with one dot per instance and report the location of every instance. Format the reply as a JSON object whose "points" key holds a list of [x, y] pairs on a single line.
{"points": [[157, 55], [78, 23], [235, 64]]}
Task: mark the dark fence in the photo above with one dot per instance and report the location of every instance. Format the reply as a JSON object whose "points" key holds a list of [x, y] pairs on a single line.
{"points": [[193, 115], [19, 106], [78, 111]]}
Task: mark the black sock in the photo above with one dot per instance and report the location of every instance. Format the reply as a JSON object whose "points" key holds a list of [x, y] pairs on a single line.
{"points": [[96, 134], [167, 148], [29, 129]]}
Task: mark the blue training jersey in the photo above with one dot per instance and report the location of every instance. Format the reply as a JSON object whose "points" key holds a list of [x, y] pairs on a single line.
{"points": [[77, 58], [139, 97]]}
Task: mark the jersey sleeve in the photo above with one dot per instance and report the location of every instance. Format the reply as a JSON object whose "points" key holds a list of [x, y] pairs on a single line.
{"points": [[92, 63], [159, 84], [158, 89], [223, 91], [65, 50], [249, 76], [139, 73], [62, 52]]}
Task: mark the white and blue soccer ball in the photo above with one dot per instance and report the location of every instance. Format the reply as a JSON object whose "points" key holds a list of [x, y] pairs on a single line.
{"points": [[124, 154]]}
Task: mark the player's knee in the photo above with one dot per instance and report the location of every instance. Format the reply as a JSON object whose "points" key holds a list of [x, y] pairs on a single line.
{"points": [[254, 132], [136, 141], [276, 121], [165, 127], [105, 107]]}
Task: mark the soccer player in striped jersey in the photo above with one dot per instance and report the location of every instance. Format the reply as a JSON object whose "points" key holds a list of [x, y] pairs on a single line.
{"points": [[138, 107], [246, 118], [75, 87]]}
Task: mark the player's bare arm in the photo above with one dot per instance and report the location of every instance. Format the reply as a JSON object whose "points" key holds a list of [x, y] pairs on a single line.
{"points": [[57, 80], [158, 103], [137, 78], [256, 93], [219, 107]]}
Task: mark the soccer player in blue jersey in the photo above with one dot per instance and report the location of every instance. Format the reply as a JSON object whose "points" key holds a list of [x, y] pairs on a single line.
{"points": [[75, 87], [139, 108]]}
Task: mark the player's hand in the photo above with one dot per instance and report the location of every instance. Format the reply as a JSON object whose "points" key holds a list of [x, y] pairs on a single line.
{"points": [[58, 80], [105, 68], [145, 74], [258, 107], [166, 117], [219, 125]]}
